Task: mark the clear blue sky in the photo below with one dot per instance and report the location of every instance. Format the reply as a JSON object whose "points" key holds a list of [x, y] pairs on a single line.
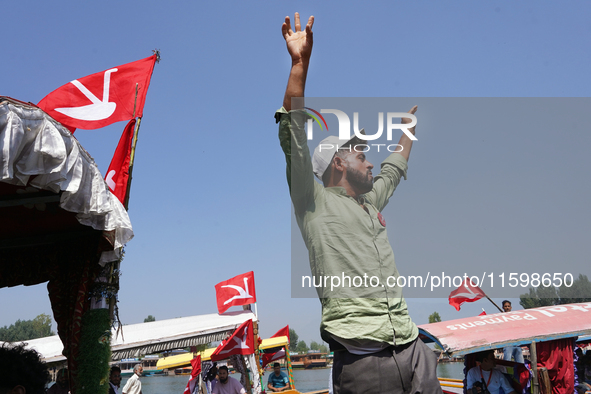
{"points": [[209, 197]]}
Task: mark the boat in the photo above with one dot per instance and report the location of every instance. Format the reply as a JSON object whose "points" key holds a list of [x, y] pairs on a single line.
{"points": [[280, 346], [550, 333], [309, 360], [149, 364], [183, 371], [127, 365]]}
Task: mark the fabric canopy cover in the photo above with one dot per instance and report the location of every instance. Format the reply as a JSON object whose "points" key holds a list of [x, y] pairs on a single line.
{"points": [[147, 338], [38, 152]]}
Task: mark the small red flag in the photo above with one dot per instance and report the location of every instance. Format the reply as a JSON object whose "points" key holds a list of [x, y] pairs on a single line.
{"points": [[467, 292], [100, 99], [118, 172], [482, 313], [236, 291], [196, 364], [284, 332], [270, 357], [241, 342]]}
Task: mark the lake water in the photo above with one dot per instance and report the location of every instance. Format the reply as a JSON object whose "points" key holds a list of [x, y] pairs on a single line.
{"points": [[305, 380]]}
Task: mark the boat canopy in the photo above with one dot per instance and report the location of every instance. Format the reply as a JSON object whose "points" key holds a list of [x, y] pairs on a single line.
{"points": [[516, 328], [157, 336], [271, 343], [183, 360], [42, 165]]}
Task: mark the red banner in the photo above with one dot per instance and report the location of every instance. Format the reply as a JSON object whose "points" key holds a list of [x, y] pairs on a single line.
{"points": [[467, 292], [236, 291], [118, 172], [241, 342], [100, 99], [196, 364]]}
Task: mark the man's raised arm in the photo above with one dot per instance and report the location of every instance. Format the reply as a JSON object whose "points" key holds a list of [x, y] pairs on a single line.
{"points": [[299, 45], [292, 135]]}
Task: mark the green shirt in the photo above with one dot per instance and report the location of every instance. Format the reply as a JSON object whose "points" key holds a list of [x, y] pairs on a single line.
{"points": [[346, 241]]}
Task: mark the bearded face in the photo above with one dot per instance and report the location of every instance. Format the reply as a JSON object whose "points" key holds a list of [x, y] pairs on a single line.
{"points": [[359, 173]]}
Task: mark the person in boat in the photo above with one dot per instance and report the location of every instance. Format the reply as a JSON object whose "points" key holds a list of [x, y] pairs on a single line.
{"points": [[582, 388], [211, 378], [134, 385], [278, 381], [485, 377], [509, 352], [114, 380], [23, 372], [375, 343], [227, 384], [62, 384]]}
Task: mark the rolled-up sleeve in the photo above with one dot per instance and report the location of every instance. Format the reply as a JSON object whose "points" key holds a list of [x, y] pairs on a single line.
{"points": [[292, 137], [392, 171]]}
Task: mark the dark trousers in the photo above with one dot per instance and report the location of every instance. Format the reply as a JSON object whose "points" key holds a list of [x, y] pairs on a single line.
{"points": [[407, 369]]}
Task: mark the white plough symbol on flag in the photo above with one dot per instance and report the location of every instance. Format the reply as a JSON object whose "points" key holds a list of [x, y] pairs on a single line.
{"points": [[110, 181], [242, 293], [98, 110], [240, 343]]}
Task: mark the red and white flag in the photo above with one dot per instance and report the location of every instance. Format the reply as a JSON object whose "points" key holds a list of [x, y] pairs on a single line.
{"points": [[194, 381], [241, 342], [118, 172], [236, 291], [100, 99], [483, 313], [467, 292], [279, 354]]}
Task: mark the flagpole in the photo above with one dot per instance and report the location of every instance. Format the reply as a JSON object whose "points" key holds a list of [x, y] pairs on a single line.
{"points": [[132, 154], [131, 160], [500, 310]]}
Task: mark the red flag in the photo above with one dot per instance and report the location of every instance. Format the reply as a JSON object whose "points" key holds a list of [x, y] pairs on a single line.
{"points": [[241, 342], [272, 356], [118, 172], [482, 313], [196, 364], [467, 292], [236, 291], [100, 99], [284, 332]]}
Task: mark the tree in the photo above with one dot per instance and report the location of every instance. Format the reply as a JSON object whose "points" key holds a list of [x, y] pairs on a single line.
{"points": [[293, 340], [302, 347], [579, 291], [314, 345], [434, 317], [149, 319], [317, 346], [537, 297], [23, 330]]}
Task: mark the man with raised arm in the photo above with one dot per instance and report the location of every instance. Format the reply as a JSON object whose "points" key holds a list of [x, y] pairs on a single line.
{"points": [[375, 343]]}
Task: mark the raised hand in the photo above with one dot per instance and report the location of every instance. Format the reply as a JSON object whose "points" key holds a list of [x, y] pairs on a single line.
{"points": [[408, 120], [299, 43]]}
